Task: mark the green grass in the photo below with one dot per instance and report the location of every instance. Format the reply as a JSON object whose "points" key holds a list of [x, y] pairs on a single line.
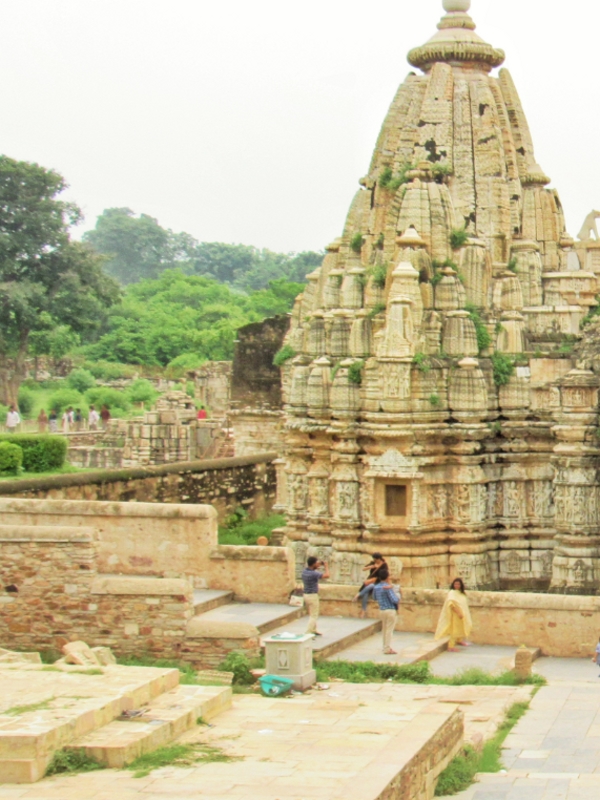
{"points": [[188, 676], [72, 762], [460, 772], [16, 711], [369, 672], [241, 531], [178, 755], [67, 469]]}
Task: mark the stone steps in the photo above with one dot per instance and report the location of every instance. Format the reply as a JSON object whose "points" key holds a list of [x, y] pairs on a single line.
{"points": [[339, 633], [207, 599], [72, 706], [164, 719], [263, 616]]}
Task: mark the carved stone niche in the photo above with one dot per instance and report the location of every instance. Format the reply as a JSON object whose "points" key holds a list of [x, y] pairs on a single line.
{"points": [[394, 491], [347, 568], [476, 570]]}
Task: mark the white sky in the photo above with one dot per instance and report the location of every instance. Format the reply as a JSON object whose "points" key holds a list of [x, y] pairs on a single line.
{"points": [[252, 122]]}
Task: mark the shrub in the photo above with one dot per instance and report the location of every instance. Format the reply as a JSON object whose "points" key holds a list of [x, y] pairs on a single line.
{"points": [[356, 243], [142, 391], [458, 238], [283, 355], [484, 339], [26, 400], [377, 309], [379, 275], [109, 370], [503, 366], [422, 362], [512, 265], [11, 457], [355, 372], [41, 453], [81, 380], [63, 398], [240, 666], [105, 396]]}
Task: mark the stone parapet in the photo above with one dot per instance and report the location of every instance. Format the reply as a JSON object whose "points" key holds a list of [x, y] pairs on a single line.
{"points": [[257, 574]]}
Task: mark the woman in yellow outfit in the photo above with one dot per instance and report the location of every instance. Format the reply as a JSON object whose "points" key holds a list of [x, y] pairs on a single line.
{"points": [[455, 619]]}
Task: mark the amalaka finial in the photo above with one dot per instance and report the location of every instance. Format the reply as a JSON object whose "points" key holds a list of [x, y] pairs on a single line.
{"points": [[457, 5]]}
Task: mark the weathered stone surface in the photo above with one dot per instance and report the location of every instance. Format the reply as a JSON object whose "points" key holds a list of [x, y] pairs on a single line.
{"points": [[466, 444], [81, 654]]}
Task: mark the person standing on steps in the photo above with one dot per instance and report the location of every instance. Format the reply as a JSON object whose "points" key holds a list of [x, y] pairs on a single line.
{"points": [[455, 619], [314, 571], [388, 602], [377, 564]]}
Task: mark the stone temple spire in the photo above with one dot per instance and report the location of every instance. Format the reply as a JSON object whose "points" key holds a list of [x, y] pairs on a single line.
{"points": [[456, 42]]}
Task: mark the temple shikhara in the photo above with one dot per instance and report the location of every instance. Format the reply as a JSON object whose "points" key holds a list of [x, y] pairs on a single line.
{"points": [[439, 406]]}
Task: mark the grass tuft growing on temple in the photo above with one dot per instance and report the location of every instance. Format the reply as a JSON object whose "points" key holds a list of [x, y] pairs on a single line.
{"points": [[460, 772], [238, 529]]}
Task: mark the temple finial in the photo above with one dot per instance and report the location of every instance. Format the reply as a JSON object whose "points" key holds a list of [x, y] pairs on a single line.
{"points": [[461, 6]]}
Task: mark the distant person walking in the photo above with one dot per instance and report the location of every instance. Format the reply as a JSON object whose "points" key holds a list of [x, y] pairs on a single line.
{"points": [[13, 419], [388, 602], [314, 571], [201, 413], [104, 416], [53, 421], [455, 619], [66, 420], [42, 421], [78, 419], [93, 419]]}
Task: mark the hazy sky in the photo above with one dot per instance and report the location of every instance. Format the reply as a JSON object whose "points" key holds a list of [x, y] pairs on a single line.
{"points": [[252, 122]]}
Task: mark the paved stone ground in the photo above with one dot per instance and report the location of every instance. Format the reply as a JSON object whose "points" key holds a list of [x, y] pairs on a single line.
{"points": [[487, 657], [256, 614], [553, 753], [307, 746], [370, 649]]}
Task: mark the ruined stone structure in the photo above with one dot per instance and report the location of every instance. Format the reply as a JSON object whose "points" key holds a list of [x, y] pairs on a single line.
{"points": [[433, 409]]}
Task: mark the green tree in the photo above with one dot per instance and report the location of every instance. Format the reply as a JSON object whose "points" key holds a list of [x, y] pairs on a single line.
{"points": [[46, 280], [161, 319]]}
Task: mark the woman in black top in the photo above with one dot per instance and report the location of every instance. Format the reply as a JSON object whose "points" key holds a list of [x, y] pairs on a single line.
{"points": [[378, 563]]}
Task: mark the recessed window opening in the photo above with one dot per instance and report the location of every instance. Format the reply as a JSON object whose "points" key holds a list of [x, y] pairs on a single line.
{"points": [[395, 500]]}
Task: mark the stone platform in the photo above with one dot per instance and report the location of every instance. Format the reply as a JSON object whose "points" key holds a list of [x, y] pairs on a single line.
{"points": [[348, 741], [44, 709]]}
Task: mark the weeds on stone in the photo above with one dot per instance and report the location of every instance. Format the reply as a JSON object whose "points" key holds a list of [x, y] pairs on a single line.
{"points": [[188, 675], [16, 711], [461, 771], [72, 762], [240, 530], [178, 755]]}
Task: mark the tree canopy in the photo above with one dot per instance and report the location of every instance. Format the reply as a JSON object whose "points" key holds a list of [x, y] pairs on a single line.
{"points": [[51, 288], [160, 320], [138, 248]]}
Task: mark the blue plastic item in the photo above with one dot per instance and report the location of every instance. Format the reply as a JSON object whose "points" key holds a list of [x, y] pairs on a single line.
{"points": [[275, 685]]}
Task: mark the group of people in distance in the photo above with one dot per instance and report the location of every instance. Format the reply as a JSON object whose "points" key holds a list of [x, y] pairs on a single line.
{"points": [[455, 618], [73, 419]]}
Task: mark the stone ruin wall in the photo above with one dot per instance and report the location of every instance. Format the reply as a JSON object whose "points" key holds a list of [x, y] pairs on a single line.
{"points": [[402, 435], [226, 484]]}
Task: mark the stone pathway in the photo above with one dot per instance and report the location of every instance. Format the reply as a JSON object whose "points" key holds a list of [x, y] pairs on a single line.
{"points": [[553, 753], [410, 647], [487, 657]]}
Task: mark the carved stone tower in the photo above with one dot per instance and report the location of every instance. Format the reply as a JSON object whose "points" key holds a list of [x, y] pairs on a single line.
{"points": [[432, 409]]}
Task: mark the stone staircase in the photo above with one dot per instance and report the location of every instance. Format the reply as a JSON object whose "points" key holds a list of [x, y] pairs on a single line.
{"points": [[114, 716]]}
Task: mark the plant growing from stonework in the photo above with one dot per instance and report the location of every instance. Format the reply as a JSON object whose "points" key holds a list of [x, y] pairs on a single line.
{"points": [[378, 274], [380, 241], [435, 400], [283, 355], [458, 238], [441, 171], [503, 367], [391, 181], [512, 265], [357, 242], [422, 362], [484, 340], [377, 309], [355, 372]]}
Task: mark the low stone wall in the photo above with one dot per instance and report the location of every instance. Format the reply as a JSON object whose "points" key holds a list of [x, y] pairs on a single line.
{"points": [[228, 483], [136, 616], [561, 625], [255, 574], [131, 538], [50, 573]]}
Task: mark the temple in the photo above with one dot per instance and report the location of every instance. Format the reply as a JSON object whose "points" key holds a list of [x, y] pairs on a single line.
{"points": [[434, 407]]}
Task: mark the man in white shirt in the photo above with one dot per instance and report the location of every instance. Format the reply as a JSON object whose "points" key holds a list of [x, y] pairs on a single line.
{"points": [[93, 419], [12, 420]]}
